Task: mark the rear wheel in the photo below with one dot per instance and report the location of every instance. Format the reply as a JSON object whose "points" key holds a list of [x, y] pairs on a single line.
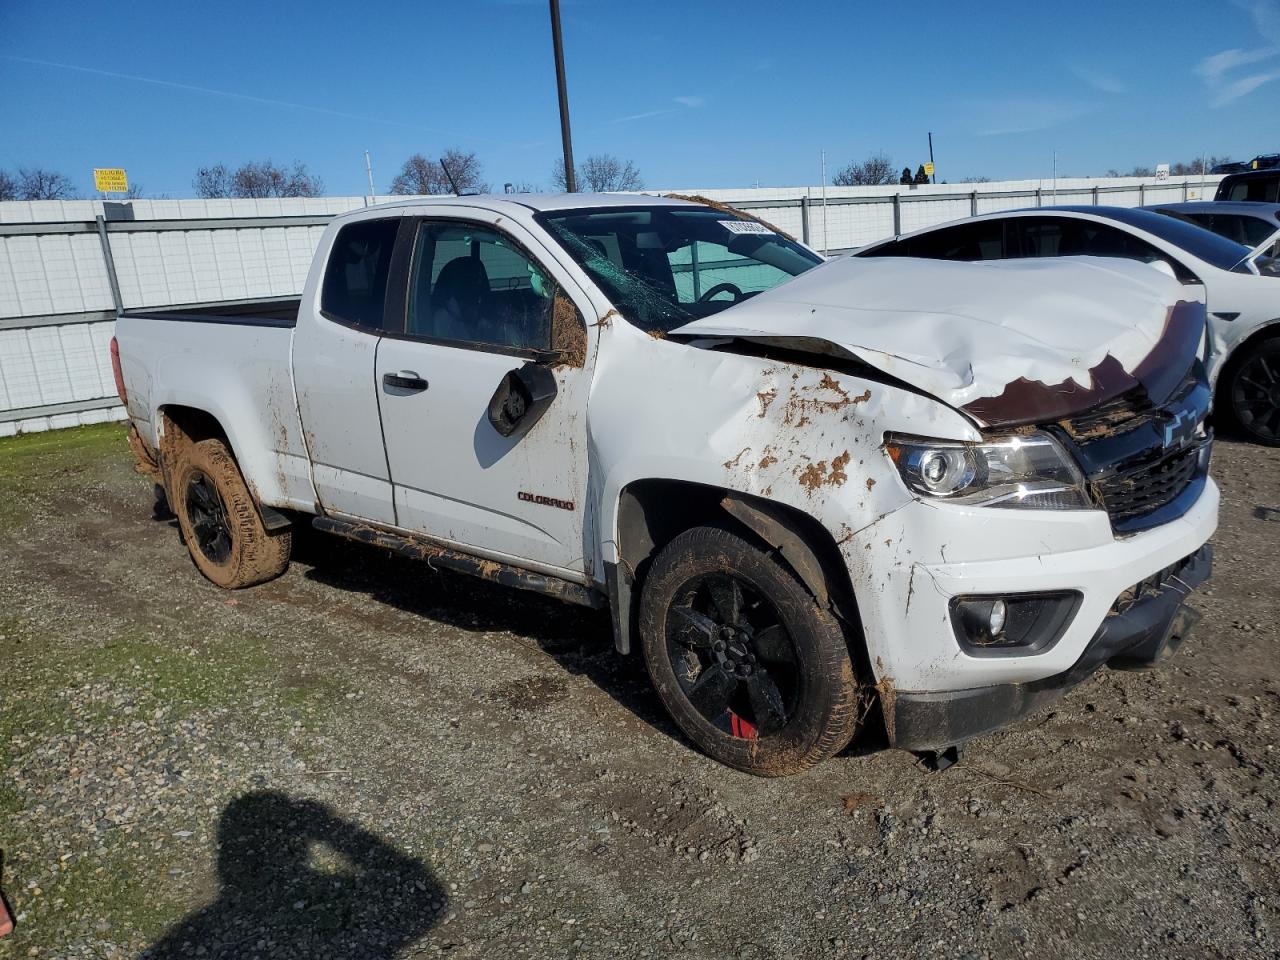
{"points": [[1251, 389], [747, 662], [219, 520]]}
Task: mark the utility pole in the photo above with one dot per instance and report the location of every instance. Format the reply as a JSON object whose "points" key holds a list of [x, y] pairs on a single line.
{"points": [[824, 203], [570, 179], [1055, 176], [933, 177], [368, 168]]}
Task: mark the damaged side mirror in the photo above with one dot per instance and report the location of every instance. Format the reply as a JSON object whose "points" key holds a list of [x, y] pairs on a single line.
{"points": [[522, 397]]}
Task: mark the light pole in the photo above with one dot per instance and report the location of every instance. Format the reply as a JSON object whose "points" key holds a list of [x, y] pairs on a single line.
{"points": [[570, 181]]}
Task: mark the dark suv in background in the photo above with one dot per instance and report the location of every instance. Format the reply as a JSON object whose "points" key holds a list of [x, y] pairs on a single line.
{"points": [[1259, 185]]}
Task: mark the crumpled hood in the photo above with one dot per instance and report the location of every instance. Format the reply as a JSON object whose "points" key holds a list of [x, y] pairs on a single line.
{"points": [[1007, 341]]}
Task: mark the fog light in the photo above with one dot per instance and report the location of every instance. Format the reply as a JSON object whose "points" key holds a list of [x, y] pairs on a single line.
{"points": [[995, 623], [1014, 624]]}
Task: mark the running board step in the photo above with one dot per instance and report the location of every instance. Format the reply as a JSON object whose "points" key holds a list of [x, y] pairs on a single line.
{"points": [[419, 548]]}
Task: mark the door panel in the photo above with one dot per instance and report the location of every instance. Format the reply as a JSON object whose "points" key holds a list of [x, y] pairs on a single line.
{"points": [[455, 477], [333, 371]]}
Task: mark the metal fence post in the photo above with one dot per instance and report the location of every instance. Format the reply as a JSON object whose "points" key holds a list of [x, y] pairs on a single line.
{"points": [[1039, 199], [973, 203], [110, 263], [1184, 191], [1142, 194], [897, 214], [804, 220], [1095, 194]]}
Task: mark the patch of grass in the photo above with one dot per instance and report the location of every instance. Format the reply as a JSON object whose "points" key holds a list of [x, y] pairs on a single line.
{"points": [[45, 453], [194, 677], [122, 882], [35, 467]]}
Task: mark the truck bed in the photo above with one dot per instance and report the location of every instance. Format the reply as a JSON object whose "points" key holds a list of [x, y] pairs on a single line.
{"points": [[233, 361]]}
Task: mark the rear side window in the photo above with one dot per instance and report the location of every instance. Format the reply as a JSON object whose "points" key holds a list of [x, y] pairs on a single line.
{"points": [[355, 280], [983, 240], [1071, 237], [1263, 189], [1250, 231]]}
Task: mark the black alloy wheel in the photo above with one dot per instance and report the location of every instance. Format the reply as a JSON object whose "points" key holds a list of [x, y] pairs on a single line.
{"points": [[208, 518], [1255, 392], [732, 656]]}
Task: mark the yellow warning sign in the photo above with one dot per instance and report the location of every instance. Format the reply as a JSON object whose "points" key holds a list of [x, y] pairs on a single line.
{"points": [[928, 169], [110, 180]]}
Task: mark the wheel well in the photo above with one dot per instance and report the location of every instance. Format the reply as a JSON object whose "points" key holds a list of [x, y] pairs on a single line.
{"points": [[1269, 332], [185, 425], [652, 513], [191, 425]]}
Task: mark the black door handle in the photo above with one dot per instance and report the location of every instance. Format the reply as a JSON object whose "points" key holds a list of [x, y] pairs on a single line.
{"points": [[405, 380]]}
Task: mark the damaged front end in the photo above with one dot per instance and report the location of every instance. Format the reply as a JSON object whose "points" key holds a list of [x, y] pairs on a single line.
{"points": [[1083, 389], [1146, 624]]}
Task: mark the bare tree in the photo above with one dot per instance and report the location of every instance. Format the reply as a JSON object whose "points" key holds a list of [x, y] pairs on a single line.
{"points": [[558, 179], [264, 179], [256, 179], [212, 182], [422, 176], [36, 183], [877, 169], [465, 170], [600, 173], [1138, 171], [8, 187]]}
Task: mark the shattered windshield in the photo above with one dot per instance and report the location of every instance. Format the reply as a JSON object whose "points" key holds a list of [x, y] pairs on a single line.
{"points": [[664, 266]]}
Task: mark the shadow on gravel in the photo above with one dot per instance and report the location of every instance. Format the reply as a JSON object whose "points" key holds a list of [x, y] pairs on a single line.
{"points": [[300, 881], [578, 639]]}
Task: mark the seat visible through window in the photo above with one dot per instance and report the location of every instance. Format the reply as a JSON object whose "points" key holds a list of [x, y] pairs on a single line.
{"points": [[472, 285]]}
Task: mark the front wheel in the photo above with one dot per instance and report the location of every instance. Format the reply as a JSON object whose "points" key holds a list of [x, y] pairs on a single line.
{"points": [[1251, 389], [746, 661], [220, 521]]}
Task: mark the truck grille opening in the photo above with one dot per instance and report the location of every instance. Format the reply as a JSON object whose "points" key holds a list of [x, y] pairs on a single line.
{"points": [[1136, 491], [1186, 574], [1128, 411]]}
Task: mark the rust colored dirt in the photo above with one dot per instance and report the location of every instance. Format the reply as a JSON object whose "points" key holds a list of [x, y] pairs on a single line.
{"points": [[570, 335]]}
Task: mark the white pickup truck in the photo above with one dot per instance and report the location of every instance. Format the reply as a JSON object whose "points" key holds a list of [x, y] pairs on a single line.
{"points": [[803, 488]]}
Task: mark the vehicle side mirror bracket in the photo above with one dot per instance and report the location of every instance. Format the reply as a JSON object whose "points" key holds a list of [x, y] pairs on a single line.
{"points": [[522, 397]]}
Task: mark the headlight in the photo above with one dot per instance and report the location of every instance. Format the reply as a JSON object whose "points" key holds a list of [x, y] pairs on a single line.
{"points": [[1025, 470]]}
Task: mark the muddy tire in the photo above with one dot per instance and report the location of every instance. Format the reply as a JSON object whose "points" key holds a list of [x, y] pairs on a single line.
{"points": [[1249, 395], [749, 665], [220, 522]]}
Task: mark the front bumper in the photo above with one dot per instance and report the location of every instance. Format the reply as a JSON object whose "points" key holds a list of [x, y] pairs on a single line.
{"points": [[1146, 625]]}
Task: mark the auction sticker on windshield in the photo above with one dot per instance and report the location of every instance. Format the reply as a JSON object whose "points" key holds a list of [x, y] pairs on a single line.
{"points": [[745, 226]]}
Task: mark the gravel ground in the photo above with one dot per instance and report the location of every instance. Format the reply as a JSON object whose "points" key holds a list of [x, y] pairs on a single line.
{"points": [[366, 758]]}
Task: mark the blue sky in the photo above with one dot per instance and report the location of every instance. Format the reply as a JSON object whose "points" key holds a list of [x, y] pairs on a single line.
{"points": [[698, 94]]}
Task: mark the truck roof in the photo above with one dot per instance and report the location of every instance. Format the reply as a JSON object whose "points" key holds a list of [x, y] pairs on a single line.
{"points": [[541, 201]]}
